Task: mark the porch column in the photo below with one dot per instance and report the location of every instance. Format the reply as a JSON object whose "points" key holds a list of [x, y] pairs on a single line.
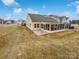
{"points": [[57, 27], [44, 26], [53, 26], [64, 26]]}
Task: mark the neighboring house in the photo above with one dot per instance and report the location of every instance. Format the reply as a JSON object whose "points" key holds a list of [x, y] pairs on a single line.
{"points": [[9, 21], [45, 24], [19, 22], [1, 21], [23, 23]]}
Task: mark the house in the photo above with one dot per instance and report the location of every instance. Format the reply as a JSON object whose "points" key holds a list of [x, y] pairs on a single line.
{"points": [[23, 23], [9, 21], [43, 24], [1, 21]]}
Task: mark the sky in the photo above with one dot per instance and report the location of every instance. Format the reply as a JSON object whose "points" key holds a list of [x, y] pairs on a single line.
{"points": [[18, 9]]}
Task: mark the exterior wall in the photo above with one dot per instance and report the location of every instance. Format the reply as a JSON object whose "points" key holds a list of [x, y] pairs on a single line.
{"points": [[36, 28], [56, 19], [64, 20], [29, 23]]}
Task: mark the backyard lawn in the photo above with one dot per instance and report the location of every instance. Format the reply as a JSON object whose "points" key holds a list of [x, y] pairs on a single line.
{"points": [[21, 43]]}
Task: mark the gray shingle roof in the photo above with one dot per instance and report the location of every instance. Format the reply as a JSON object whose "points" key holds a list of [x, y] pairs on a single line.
{"points": [[41, 18], [53, 16], [60, 17]]}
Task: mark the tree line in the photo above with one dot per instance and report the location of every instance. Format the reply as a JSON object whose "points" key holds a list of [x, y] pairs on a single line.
{"points": [[74, 21]]}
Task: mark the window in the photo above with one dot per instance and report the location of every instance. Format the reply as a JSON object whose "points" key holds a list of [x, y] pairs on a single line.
{"points": [[55, 25], [47, 26], [41, 25], [34, 25], [30, 25], [63, 26], [37, 25], [52, 27], [60, 26]]}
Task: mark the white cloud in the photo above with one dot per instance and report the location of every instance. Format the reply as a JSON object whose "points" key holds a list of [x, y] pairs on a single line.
{"points": [[49, 13], [10, 2], [77, 9], [29, 10], [75, 4], [17, 11]]}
